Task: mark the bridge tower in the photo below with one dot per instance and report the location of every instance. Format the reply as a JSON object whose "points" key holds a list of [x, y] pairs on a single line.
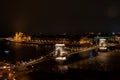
{"points": [[102, 44], [59, 49]]}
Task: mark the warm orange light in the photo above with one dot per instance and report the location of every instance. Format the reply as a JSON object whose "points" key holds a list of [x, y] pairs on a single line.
{"points": [[19, 36]]}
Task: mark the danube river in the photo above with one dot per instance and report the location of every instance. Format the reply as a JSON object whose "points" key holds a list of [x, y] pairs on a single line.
{"points": [[91, 66]]}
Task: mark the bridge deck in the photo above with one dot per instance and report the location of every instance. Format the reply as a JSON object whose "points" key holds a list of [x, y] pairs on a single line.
{"points": [[44, 58]]}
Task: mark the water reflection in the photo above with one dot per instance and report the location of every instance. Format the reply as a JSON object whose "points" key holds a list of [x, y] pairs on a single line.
{"points": [[91, 55], [13, 52], [90, 60], [62, 68], [104, 61], [7, 51]]}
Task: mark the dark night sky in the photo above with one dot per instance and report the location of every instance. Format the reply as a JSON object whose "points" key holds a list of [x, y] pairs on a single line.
{"points": [[58, 16]]}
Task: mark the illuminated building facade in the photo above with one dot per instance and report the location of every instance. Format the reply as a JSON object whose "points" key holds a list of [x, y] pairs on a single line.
{"points": [[19, 36]]}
